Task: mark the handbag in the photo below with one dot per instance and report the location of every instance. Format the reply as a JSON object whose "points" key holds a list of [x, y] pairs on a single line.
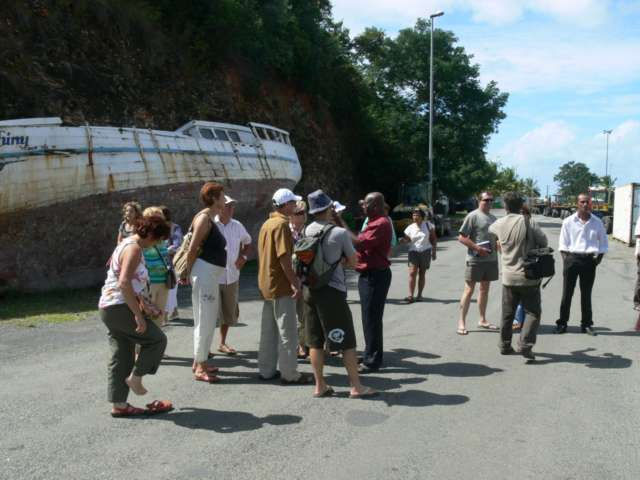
{"points": [[538, 262], [147, 307], [171, 281], [180, 258]]}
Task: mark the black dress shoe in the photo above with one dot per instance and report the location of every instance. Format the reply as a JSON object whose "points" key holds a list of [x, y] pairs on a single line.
{"points": [[589, 331], [272, 377], [528, 354], [560, 329], [507, 350]]}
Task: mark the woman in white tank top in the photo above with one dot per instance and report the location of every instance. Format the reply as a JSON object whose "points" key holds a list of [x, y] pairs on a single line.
{"points": [[122, 309]]}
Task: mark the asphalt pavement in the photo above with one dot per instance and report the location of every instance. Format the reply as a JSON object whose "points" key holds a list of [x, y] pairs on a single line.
{"points": [[450, 406]]}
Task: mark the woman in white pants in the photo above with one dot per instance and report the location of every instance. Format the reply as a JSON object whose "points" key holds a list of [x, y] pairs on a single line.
{"points": [[206, 260]]}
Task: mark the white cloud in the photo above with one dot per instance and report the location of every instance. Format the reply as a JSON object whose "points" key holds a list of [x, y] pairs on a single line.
{"points": [[538, 145], [540, 152], [579, 64], [530, 56], [359, 14]]}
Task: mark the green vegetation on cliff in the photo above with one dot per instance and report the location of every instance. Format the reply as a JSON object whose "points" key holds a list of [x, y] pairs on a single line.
{"points": [[357, 109]]}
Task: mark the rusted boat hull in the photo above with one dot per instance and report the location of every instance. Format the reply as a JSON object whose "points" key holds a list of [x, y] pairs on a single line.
{"points": [[66, 245]]}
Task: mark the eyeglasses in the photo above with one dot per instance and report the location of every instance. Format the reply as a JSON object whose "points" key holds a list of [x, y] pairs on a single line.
{"points": [[487, 200]]}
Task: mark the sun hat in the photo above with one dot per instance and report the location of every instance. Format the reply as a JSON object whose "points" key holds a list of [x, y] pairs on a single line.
{"points": [[318, 201]]}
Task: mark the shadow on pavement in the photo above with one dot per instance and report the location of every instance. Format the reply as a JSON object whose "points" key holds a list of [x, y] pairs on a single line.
{"points": [[550, 330], [419, 398], [397, 361], [224, 422], [402, 301], [241, 359], [606, 360]]}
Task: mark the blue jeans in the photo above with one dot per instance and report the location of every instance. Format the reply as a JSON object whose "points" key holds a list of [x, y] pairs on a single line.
{"points": [[519, 317]]}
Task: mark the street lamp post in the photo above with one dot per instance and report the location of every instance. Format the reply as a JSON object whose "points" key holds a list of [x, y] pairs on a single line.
{"points": [[606, 163], [432, 18], [606, 158]]}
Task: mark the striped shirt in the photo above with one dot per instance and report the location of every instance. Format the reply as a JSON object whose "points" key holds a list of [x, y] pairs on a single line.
{"points": [[155, 263]]}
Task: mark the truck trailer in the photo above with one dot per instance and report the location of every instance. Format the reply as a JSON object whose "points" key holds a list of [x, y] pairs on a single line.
{"points": [[625, 212]]}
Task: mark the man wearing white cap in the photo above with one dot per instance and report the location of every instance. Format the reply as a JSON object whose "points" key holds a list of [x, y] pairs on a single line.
{"points": [[280, 288], [238, 245]]}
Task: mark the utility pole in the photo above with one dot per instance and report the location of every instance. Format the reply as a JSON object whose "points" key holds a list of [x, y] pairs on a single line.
{"points": [[432, 17], [606, 164]]}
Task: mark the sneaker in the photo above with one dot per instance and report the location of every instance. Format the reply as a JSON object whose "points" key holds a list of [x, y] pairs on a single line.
{"points": [[560, 329]]}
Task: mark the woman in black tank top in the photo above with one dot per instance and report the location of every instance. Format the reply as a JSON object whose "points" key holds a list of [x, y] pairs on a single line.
{"points": [[206, 261], [213, 247]]}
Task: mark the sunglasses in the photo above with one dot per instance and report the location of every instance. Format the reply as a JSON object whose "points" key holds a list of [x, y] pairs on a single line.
{"points": [[487, 200]]}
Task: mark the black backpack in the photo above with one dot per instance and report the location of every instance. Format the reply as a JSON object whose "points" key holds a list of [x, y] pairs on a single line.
{"points": [[538, 262]]}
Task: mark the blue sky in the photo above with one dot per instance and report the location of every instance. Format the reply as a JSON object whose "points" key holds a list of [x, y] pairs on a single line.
{"points": [[571, 68]]}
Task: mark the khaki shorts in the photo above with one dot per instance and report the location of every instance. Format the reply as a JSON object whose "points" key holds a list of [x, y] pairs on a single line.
{"points": [[481, 272], [228, 312]]}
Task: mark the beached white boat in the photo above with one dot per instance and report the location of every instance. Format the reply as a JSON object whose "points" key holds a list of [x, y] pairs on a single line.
{"points": [[61, 187]]}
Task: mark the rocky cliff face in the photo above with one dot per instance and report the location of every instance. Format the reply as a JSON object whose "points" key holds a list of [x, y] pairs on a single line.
{"points": [[87, 62]]}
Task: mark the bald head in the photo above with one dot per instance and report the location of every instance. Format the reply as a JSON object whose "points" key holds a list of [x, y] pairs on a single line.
{"points": [[374, 204]]}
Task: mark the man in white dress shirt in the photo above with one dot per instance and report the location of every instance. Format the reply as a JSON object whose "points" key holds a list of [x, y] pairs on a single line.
{"points": [[583, 243], [238, 245]]}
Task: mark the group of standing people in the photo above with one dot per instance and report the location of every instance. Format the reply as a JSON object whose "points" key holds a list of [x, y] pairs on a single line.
{"points": [[300, 317], [216, 250], [140, 280], [583, 243]]}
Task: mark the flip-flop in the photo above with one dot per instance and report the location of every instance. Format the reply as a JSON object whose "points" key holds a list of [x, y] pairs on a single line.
{"points": [[368, 393], [158, 406], [128, 411], [462, 331], [488, 326], [205, 377], [327, 393], [227, 349]]}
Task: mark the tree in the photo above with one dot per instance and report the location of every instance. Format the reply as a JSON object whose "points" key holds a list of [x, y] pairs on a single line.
{"points": [[506, 180], [465, 113], [574, 178], [530, 187]]}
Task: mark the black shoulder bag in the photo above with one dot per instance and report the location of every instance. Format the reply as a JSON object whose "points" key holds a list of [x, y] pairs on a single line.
{"points": [[538, 262]]}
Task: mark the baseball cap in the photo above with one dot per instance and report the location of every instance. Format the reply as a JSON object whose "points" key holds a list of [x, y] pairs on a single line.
{"points": [[284, 195]]}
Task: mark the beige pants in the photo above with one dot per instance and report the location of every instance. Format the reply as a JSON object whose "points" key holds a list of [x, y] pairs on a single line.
{"points": [[159, 295], [279, 339]]}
